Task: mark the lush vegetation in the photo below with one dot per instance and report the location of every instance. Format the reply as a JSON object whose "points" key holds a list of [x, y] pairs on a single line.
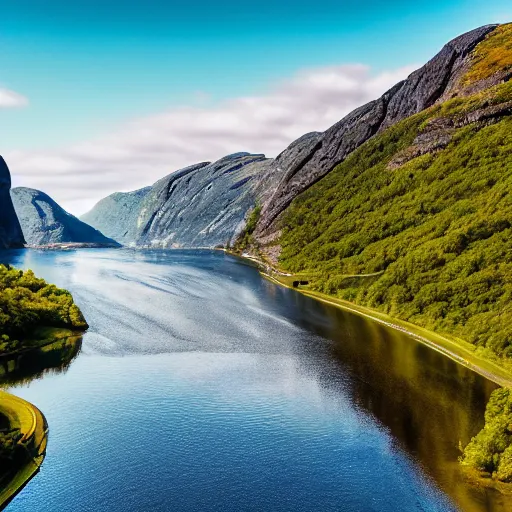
{"points": [[29, 308], [245, 238], [28, 303], [9, 440], [491, 449], [438, 228], [491, 55]]}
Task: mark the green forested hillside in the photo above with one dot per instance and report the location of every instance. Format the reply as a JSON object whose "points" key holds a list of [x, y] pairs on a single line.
{"points": [[436, 227], [28, 303]]}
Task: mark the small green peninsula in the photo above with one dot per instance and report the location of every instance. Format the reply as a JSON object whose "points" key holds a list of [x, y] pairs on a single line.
{"points": [[35, 317], [29, 306]]}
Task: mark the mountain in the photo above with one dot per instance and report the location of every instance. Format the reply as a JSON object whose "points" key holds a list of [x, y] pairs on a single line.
{"points": [[116, 215], [416, 222], [10, 229], [44, 222], [203, 205], [307, 160]]}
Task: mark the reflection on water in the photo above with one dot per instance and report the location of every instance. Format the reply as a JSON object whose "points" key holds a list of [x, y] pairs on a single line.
{"points": [[258, 398], [430, 404], [52, 358]]}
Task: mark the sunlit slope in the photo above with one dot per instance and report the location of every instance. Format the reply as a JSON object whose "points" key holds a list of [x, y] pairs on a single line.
{"points": [[428, 204]]}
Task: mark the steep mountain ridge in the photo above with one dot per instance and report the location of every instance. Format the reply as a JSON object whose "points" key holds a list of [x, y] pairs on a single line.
{"points": [[11, 234], [417, 221], [436, 81], [177, 212], [44, 222], [203, 205]]}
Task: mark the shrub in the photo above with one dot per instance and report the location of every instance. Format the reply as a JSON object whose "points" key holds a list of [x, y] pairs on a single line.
{"points": [[27, 302]]}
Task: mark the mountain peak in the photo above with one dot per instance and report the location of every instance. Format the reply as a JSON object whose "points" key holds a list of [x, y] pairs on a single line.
{"points": [[10, 229], [45, 222]]}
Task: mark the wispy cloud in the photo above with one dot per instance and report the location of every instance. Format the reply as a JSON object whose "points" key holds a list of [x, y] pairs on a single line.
{"points": [[145, 149], [11, 99]]}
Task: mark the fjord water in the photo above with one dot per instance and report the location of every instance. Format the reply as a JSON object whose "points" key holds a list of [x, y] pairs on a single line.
{"points": [[202, 386]]}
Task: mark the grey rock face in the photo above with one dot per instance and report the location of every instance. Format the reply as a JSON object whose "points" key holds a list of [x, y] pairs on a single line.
{"points": [[287, 163], [116, 215], [438, 132], [203, 205], [308, 162], [10, 229], [44, 222]]}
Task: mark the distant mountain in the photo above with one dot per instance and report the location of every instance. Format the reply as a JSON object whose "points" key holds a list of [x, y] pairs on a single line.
{"points": [[116, 216], [44, 222], [10, 229], [203, 205]]}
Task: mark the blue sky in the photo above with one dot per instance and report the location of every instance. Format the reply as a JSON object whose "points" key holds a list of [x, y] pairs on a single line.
{"points": [[87, 68]]}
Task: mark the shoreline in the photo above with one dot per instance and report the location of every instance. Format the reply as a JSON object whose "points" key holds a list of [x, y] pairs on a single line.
{"points": [[58, 333], [26, 417], [457, 350], [34, 428]]}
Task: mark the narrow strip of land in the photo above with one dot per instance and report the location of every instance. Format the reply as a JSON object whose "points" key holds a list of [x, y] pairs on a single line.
{"points": [[458, 350], [30, 421]]}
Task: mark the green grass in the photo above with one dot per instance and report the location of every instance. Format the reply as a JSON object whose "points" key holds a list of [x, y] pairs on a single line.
{"points": [[438, 228], [491, 55]]}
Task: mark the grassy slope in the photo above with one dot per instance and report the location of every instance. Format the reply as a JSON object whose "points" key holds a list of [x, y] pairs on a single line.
{"points": [[492, 55], [439, 227], [438, 230], [29, 420]]}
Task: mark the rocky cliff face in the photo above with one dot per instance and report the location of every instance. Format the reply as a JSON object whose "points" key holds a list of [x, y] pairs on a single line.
{"points": [[44, 222], [203, 205], [310, 158], [10, 229], [206, 204], [116, 216]]}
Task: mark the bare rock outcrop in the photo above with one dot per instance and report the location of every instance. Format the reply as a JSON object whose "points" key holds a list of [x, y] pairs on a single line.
{"points": [[11, 235], [45, 223], [203, 205], [438, 132]]}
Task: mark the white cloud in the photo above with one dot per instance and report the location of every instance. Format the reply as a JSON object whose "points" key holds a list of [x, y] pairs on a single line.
{"points": [[11, 99], [148, 148]]}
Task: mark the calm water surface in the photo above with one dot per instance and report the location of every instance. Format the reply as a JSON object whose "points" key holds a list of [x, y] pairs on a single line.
{"points": [[202, 387]]}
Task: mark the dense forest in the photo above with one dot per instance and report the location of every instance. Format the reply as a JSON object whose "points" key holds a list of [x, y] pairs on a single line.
{"points": [[423, 214], [491, 449], [28, 303]]}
